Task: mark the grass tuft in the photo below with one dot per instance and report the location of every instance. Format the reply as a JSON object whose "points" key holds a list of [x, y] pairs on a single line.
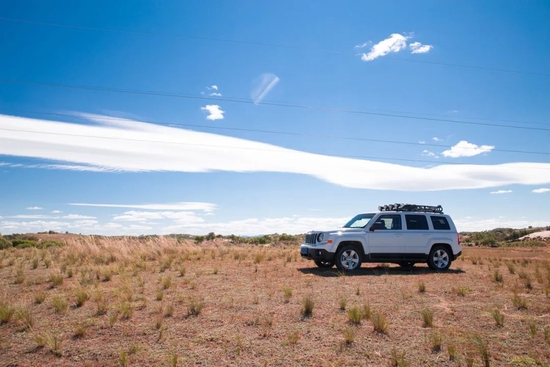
{"points": [[307, 306], [379, 323], [60, 304], [427, 318], [498, 317], [287, 294], [6, 313], [194, 308], [397, 359], [355, 315], [421, 287]]}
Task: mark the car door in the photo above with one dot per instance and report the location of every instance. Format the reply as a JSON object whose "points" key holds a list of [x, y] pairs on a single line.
{"points": [[385, 238], [417, 237]]}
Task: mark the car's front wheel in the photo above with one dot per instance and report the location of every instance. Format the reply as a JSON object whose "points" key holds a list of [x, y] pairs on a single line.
{"points": [[440, 258], [324, 264], [348, 258]]}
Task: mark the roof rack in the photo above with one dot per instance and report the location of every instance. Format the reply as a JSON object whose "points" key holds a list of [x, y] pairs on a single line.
{"points": [[411, 208]]}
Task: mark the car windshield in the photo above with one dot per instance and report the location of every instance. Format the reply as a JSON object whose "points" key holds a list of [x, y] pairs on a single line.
{"points": [[359, 221]]}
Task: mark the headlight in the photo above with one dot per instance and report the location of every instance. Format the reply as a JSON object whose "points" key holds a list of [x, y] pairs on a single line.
{"points": [[320, 237]]}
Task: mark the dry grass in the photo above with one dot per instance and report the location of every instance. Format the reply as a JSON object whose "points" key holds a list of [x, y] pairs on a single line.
{"points": [[244, 306]]}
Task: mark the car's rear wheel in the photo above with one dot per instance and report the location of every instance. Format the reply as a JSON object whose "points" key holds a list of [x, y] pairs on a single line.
{"points": [[440, 258], [324, 264], [348, 258]]}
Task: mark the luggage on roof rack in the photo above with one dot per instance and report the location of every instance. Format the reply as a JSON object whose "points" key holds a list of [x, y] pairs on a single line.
{"points": [[411, 208]]}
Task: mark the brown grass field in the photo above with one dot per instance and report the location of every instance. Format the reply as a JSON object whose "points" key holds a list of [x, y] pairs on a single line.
{"points": [[157, 302]]}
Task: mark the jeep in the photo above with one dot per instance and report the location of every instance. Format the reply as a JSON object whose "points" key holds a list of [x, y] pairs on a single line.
{"points": [[403, 234]]}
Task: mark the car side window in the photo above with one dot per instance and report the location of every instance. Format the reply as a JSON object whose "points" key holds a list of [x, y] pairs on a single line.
{"points": [[440, 223], [388, 222], [416, 222]]}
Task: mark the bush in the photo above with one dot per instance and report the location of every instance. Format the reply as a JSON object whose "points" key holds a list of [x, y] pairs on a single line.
{"points": [[24, 243], [4, 243]]}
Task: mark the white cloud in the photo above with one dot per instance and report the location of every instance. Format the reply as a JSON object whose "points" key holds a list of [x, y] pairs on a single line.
{"points": [[77, 216], [465, 149], [483, 224], [258, 226], [144, 147], [214, 112], [427, 153], [501, 192], [206, 207], [56, 211], [421, 142], [541, 190], [363, 45], [419, 48], [141, 216], [262, 85], [394, 43], [31, 216], [435, 138], [215, 87], [33, 226], [215, 94], [34, 208]]}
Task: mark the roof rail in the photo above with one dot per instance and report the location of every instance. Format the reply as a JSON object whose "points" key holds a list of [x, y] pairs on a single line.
{"points": [[411, 208]]}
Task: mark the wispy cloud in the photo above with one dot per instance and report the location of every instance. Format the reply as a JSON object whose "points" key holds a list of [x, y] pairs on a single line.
{"points": [[465, 149], [262, 85], [34, 208], [394, 43], [541, 190], [183, 206], [77, 216], [31, 216], [419, 48], [213, 88], [363, 45], [421, 142], [435, 138], [499, 192], [214, 112], [56, 211], [148, 147], [145, 216], [483, 224], [427, 153]]}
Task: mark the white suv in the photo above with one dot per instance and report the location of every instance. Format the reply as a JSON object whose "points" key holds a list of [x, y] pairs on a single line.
{"points": [[404, 234]]}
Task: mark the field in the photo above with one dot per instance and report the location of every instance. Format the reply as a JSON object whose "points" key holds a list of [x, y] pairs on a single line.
{"points": [[157, 301]]}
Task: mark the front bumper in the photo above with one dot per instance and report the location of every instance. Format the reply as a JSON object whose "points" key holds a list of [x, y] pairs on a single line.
{"points": [[312, 253]]}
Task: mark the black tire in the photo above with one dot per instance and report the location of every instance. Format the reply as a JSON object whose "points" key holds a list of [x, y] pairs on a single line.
{"points": [[439, 258], [348, 258], [406, 264], [324, 264]]}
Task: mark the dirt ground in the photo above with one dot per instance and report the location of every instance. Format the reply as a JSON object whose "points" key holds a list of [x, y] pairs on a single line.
{"points": [[157, 302]]}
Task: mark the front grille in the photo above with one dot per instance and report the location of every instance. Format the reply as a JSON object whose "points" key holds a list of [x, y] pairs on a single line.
{"points": [[311, 238]]}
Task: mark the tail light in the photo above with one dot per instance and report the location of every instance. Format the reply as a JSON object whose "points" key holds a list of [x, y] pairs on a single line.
{"points": [[458, 236]]}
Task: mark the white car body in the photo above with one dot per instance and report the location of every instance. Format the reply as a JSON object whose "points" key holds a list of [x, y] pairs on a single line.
{"points": [[403, 237]]}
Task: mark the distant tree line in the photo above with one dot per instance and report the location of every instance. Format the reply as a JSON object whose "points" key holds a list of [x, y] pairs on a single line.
{"points": [[499, 236], [25, 240]]}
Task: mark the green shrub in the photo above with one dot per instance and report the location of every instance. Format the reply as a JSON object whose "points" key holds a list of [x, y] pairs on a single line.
{"points": [[24, 243], [4, 243]]}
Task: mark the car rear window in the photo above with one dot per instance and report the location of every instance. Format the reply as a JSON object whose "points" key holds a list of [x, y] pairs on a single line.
{"points": [[440, 223], [416, 222]]}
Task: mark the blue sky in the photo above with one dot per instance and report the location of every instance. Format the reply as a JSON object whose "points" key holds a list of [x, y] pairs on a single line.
{"points": [[250, 122]]}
